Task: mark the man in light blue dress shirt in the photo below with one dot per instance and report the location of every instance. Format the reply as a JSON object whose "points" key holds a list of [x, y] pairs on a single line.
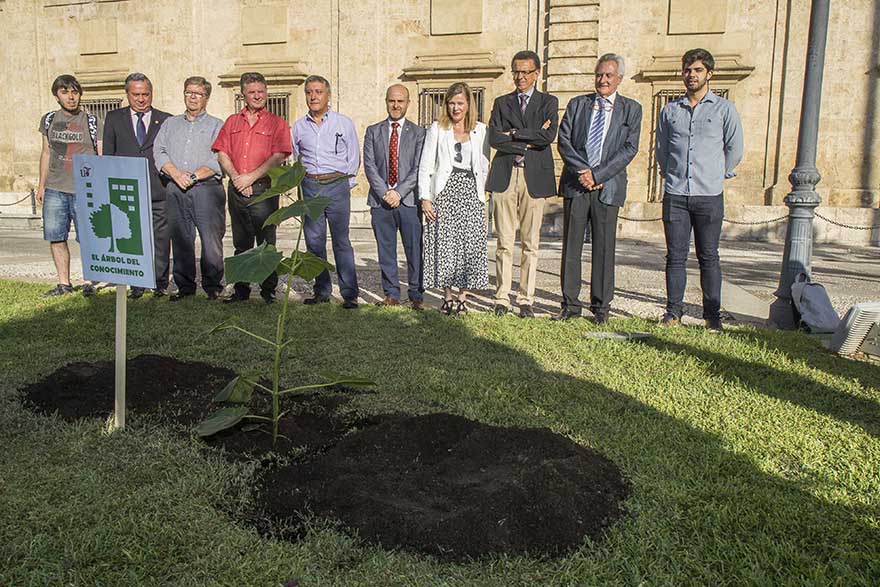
{"points": [[699, 144], [328, 144]]}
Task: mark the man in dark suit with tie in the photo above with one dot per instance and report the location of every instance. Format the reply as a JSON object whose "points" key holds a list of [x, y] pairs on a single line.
{"points": [[130, 132], [392, 150], [598, 137], [521, 129]]}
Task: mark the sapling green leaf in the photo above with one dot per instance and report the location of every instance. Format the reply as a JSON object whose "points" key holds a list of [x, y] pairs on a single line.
{"points": [[253, 265], [221, 420], [237, 391]]}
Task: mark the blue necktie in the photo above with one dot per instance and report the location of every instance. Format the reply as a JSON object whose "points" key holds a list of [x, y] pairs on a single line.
{"points": [[594, 139], [141, 129]]}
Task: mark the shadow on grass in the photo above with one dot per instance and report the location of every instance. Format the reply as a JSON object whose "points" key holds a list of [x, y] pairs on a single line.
{"points": [[788, 385], [702, 514]]}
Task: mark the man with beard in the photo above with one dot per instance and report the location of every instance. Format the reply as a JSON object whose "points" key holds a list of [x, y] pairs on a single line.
{"points": [[392, 151], [66, 132], [699, 144]]}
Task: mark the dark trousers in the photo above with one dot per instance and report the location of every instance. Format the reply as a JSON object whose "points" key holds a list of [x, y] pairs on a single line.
{"points": [[579, 213], [387, 222], [703, 215], [161, 242], [201, 208], [337, 215], [247, 230]]}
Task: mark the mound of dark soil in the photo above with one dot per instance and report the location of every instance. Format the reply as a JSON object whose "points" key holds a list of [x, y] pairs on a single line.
{"points": [[439, 484], [180, 392], [455, 488]]}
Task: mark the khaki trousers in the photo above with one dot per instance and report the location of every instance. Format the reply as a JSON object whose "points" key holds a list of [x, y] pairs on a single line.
{"points": [[514, 208]]}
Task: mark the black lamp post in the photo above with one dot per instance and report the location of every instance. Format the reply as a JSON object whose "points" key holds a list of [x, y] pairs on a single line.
{"points": [[803, 199]]}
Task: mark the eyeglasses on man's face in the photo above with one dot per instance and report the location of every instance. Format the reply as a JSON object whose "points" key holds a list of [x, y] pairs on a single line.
{"points": [[189, 94], [522, 72]]}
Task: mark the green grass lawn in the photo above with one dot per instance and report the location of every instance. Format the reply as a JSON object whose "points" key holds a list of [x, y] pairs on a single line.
{"points": [[754, 456]]}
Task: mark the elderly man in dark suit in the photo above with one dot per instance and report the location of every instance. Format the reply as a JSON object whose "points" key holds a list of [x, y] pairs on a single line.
{"points": [[598, 138], [392, 150], [521, 129], [130, 132]]}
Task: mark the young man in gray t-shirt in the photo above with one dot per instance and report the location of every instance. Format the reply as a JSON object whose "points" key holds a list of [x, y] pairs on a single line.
{"points": [[66, 132]]}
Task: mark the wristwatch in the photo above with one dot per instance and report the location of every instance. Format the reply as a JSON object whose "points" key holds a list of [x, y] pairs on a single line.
{"points": [[194, 177]]}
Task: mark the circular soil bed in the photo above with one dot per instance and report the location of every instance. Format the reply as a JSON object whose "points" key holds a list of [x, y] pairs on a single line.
{"points": [[439, 484], [180, 392], [455, 488]]}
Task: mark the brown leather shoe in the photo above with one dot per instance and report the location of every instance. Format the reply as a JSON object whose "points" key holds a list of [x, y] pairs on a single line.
{"points": [[417, 305], [388, 301]]}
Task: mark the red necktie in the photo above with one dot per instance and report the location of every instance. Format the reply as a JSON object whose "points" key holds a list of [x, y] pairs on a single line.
{"points": [[392, 156]]}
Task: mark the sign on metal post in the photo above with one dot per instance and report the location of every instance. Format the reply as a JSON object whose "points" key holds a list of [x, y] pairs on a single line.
{"points": [[116, 237]]}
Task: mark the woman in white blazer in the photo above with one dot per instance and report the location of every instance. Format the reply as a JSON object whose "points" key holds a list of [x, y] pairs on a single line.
{"points": [[452, 179]]}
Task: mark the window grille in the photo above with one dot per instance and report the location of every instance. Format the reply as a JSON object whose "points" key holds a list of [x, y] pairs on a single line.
{"points": [[100, 107], [661, 99], [431, 104], [278, 103]]}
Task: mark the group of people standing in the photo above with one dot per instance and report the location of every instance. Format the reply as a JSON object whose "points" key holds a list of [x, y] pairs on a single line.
{"points": [[429, 186]]}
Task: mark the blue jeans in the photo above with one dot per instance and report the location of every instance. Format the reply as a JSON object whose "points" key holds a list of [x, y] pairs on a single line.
{"points": [[337, 215], [703, 215], [58, 211]]}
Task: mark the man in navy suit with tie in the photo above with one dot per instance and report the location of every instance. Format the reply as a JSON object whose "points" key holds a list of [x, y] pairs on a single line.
{"points": [[598, 137], [130, 132], [392, 150]]}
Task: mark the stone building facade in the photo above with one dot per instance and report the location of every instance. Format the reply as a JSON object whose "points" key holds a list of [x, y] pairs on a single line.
{"points": [[362, 46]]}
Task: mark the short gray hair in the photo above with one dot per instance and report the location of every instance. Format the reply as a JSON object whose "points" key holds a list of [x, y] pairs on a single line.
{"points": [[250, 77], [621, 65], [317, 78], [137, 77]]}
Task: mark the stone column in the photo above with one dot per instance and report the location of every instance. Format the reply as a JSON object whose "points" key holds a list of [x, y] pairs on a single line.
{"points": [[803, 199]]}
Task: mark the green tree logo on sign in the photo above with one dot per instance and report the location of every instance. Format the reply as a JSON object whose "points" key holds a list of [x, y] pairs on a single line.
{"points": [[120, 220]]}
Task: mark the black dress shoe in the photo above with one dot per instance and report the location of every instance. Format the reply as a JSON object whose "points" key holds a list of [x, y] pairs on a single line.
{"points": [[159, 292], [350, 304], [136, 293], [268, 298], [316, 300], [566, 314], [180, 295], [213, 295], [235, 297], [600, 318], [526, 312], [500, 310]]}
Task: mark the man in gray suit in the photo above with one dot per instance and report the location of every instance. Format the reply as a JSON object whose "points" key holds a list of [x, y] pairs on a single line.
{"points": [[392, 150], [598, 137]]}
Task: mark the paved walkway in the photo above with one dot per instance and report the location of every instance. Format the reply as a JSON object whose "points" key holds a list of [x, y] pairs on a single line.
{"points": [[751, 271]]}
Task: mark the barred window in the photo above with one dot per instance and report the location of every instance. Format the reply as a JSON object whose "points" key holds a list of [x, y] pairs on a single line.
{"points": [[101, 106], [661, 99], [431, 104], [278, 103]]}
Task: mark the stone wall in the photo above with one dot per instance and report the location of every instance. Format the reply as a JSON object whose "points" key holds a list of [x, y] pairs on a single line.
{"points": [[363, 46]]}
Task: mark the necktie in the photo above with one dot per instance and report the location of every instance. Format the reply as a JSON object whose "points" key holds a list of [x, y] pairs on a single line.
{"points": [[594, 139], [523, 104], [392, 156], [141, 129]]}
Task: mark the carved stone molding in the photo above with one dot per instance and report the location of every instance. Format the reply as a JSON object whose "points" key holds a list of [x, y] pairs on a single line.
{"points": [[467, 67], [667, 68], [277, 73], [101, 80]]}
